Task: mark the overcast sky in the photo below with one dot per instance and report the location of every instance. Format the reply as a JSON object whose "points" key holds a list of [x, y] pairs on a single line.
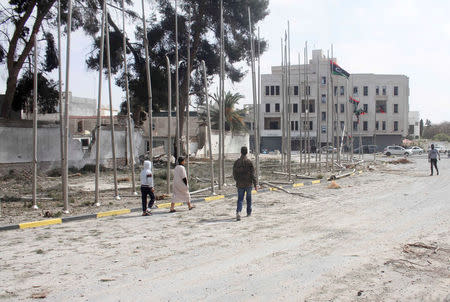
{"points": [[408, 37]]}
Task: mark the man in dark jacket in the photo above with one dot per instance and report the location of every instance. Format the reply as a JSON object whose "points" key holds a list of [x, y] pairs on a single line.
{"points": [[244, 175]]}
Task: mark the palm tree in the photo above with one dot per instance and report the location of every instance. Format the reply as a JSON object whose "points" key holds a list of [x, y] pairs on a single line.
{"points": [[234, 118]]}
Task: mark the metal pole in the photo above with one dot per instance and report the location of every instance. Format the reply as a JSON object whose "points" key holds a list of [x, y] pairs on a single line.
{"points": [[289, 109], [35, 109], [223, 92], [149, 85], [66, 113], [61, 120], [318, 118], [127, 94], [282, 113], [177, 81], [188, 78], [220, 104], [99, 105], [252, 52], [307, 101], [351, 122], [300, 109], [328, 111], [258, 106], [169, 116], [333, 110], [111, 119], [211, 161]]}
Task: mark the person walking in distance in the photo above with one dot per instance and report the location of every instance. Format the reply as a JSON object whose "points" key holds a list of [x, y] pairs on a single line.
{"points": [[180, 186], [147, 188], [433, 156], [244, 175]]}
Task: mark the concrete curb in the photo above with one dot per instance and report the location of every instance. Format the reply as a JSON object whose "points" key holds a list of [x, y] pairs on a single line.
{"points": [[47, 222]]}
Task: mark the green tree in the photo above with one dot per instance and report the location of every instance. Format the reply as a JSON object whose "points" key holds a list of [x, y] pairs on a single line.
{"points": [[421, 127], [23, 21]]}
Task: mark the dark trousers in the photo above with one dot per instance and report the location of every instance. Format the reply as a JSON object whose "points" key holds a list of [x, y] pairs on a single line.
{"points": [[433, 162], [144, 192]]}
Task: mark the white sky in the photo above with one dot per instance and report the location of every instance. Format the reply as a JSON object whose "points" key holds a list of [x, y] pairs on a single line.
{"points": [[409, 37]]}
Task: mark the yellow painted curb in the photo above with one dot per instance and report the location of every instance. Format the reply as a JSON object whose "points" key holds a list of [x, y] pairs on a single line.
{"points": [[254, 192], [167, 205], [113, 213], [315, 182], [211, 198], [273, 189], [300, 184], [353, 174], [34, 224]]}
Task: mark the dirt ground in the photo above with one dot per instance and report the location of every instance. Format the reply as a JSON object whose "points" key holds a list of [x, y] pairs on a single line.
{"points": [[383, 236]]}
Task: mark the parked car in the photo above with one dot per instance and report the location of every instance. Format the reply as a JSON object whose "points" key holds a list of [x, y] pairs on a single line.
{"points": [[366, 149], [328, 149], [396, 150], [440, 148], [415, 150]]}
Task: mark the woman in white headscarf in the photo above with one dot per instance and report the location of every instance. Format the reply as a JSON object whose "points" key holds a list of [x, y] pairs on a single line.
{"points": [[180, 186]]}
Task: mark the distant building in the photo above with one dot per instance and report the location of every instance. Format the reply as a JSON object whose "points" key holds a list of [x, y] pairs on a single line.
{"points": [[386, 98], [414, 124]]}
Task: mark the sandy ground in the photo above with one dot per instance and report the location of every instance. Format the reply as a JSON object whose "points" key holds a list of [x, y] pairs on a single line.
{"points": [[349, 244]]}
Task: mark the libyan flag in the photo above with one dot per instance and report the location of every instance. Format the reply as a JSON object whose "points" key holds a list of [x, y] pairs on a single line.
{"points": [[353, 101], [337, 70]]}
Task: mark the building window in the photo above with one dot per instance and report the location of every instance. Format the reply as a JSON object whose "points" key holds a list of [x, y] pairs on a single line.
{"points": [[342, 108], [395, 126], [381, 107], [272, 90], [324, 129], [366, 90], [365, 126], [267, 107], [272, 123], [295, 90], [377, 90], [335, 90], [294, 125], [308, 90], [355, 90], [324, 99], [395, 108], [306, 124], [324, 80], [277, 90], [80, 126], [342, 90], [395, 90], [267, 90], [384, 90], [336, 108], [311, 106], [342, 125], [384, 125], [355, 126], [248, 125], [324, 116], [277, 107], [366, 107], [377, 125], [295, 108]]}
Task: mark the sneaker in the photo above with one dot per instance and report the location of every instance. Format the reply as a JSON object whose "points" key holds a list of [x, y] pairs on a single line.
{"points": [[437, 172], [238, 216]]}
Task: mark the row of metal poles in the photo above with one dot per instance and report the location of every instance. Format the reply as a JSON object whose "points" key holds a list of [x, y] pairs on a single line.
{"points": [[64, 109]]}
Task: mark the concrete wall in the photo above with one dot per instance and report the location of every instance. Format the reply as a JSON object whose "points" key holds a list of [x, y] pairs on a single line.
{"points": [[17, 146], [233, 143]]}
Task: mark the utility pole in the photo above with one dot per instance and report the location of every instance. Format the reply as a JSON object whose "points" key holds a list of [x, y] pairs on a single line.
{"points": [[35, 109], [211, 160], [169, 116]]}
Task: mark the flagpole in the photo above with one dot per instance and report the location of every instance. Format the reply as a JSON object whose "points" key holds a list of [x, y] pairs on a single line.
{"points": [[351, 122], [222, 39], [61, 120], [318, 123], [254, 94], [188, 79], [258, 145], [111, 119], [327, 112], [282, 113], [221, 117], [307, 101], [127, 95], [35, 135], [289, 109], [211, 161], [149, 85], [300, 110], [169, 116], [99, 104], [333, 111]]}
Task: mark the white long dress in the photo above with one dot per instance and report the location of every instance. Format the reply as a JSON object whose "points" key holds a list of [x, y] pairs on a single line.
{"points": [[180, 190]]}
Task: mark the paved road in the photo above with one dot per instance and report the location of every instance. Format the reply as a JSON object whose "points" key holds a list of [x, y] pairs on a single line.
{"points": [[342, 245]]}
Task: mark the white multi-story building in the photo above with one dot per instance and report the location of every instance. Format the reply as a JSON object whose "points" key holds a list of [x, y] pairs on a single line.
{"points": [[385, 98], [414, 124]]}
